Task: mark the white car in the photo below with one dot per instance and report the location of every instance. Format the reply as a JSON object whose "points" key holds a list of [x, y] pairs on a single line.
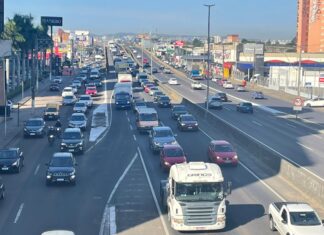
{"points": [[67, 91], [138, 56], [80, 107], [196, 85], [58, 232], [228, 85], [86, 99], [240, 88], [74, 88], [57, 80], [167, 71], [315, 102], [173, 81], [77, 83]]}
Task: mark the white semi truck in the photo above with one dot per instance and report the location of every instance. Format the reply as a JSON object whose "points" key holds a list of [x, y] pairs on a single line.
{"points": [[194, 196]]}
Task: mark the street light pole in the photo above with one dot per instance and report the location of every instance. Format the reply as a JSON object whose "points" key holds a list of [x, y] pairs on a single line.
{"points": [[208, 54], [299, 72]]}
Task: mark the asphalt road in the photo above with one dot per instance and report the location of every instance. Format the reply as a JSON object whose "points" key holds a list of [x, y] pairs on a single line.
{"points": [[297, 142]]}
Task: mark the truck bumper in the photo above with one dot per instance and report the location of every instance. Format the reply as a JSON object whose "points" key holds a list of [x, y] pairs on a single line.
{"points": [[183, 227]]}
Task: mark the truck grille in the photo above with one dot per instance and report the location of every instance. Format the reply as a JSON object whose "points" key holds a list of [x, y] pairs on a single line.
{"points": [[199, 215]]}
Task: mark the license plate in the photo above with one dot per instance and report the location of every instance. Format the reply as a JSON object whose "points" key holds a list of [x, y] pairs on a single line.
{"points": [[60, 180], [5, 168], [32, 133], [71, 150], [200, 228], [189, 127]]}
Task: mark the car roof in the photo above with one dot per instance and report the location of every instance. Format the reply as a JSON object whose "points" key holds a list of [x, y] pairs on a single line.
{"points": [[219, 142], [72, 130], [78, 114], [172, 146], [58, 232], [36, 119], [62, 154], [142, 109], [85, 96], [161, 128]]}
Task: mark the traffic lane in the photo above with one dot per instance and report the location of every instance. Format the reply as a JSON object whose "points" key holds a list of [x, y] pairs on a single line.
{"points": [[256, 196], [58, 207]]}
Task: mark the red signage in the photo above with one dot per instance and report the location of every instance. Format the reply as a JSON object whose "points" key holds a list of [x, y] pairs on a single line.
{"points": [[321, 78], [179, 43], [298, 102]]}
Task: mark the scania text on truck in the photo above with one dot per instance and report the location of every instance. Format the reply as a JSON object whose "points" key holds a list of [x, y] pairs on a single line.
{"points": [[194, 196]]}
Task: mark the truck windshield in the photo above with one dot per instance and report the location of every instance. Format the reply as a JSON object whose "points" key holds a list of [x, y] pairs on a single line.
{"points": [[51, 110], [192, 192], [122, 96], [304, 219], [148, 117]]}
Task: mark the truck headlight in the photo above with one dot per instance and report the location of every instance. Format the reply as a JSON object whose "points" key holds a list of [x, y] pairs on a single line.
{"points": [[177, 221], [48, 176], [79, 144], [196, 124], [128, 102], [116, 102]]}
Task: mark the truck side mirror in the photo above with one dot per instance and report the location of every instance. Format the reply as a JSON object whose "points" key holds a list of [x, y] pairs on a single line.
{"points": [[284, 221]]}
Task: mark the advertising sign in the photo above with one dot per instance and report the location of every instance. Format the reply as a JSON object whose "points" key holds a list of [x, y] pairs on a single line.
{"points": [[52, 20]]}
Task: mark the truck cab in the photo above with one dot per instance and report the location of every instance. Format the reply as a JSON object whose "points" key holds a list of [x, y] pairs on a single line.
{"points": [[194, 197], [52, 111], [146, 119]]}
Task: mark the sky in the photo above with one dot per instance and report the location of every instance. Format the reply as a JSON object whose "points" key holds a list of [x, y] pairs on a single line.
{"points": [[253, 19]]}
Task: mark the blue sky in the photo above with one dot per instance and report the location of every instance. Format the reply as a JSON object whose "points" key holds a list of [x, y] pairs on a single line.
{"points": [[262, 19]]}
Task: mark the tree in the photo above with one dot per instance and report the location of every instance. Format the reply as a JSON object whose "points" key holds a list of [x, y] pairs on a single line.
{"points": [[197, 43], [12, 32]]}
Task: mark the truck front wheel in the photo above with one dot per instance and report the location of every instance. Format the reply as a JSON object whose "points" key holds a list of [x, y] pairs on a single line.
{"points": [[271, 224]]}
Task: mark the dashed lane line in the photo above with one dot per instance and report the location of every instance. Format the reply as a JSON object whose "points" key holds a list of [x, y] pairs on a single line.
{"points": [[21, 207]]}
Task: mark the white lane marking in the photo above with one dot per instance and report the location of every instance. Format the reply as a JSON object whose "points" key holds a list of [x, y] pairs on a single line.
{"points": [[306, 147], [112, 220], [126, 113], [252, 173], [19, 213], [128, 119], [104, 223], [37, 169], [291, 125], [318, 137], [166, 232], [227, 108], [134, 137], [130, 127], [257, 123], [162, 123]]}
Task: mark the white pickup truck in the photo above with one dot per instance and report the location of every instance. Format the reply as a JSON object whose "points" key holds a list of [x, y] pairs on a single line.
{"points": [[294, 218]]}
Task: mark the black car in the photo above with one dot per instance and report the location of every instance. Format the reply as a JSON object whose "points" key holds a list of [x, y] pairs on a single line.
{"points": [[223, 96], [164, 101], [97, 83], [2, 189], [72, 141], [157, 94], [155, 70], [244, 107], [11, 160], [54, 87], [61, 169], [187, 122], [178, 110], [134, 72], [34, 127]]}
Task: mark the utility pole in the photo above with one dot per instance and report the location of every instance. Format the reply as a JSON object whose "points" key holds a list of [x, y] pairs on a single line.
{"points": [[223, 59], [299, 72], [51, 55], [151, 56], [208, 55], [142, 51]]}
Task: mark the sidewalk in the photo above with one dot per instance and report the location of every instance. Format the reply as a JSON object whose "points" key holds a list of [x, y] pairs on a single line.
{"points": [[9, 129]]}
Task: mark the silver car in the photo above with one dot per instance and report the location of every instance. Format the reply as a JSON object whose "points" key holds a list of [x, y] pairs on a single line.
{"points": [[69, 100], [215, 102], [78, 120], [80, 107]]}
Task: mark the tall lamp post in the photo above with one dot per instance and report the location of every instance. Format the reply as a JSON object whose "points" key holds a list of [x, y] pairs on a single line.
{"points": [[208, 54]]}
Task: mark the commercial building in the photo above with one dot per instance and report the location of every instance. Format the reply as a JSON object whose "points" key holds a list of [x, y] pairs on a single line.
{"points": [[310, 26]]}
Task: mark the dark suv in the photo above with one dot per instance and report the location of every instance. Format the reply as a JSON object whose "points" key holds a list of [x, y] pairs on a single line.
{"points": [[178, 110], [11, 160], [61, 169], [34, 127], [2, 189], [72, 141]]}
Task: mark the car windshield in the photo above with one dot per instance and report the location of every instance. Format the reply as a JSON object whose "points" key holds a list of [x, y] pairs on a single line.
{"points": [[215, 99], [80, 105], [142, 77], [188, 118], [191, 192], [142, 104], [51, 110], [4, 154], [68, 97], [247, 104], [164, 98], [179, 109], [68, 89], [174, 152], [77, 118], [34, 123], [304, 219], [76, 82], [71, 135], [84, 98], [158, 93], [61, 162], [91, 88], [223, 148], [148, 117], [163, 133]]}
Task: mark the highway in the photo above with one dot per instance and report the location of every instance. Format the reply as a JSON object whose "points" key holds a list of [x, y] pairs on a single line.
{"points": [[300, 143]]}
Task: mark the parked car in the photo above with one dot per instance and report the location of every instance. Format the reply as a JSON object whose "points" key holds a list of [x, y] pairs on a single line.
{"points": [[228, 85], [69, 100], [78, 120], [11, 160], [91, 90], [315, 102], [187, 122], [178, 110], [257, 95], [61, 169], [138, 56], [80, 107], [221, 152], [87, 99], [173, 81], [54, 87], [244, 107], [2, 189], [72, 141], [160, 136], [34, 127], [170, 155], [214, 102], [164, 101], [223, 96], [196, 85]]}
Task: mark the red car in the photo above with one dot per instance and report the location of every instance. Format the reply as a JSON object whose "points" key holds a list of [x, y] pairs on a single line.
{"points": [[147, 87], [170, 155], [220, 82], [91, 90], [222, 153]]}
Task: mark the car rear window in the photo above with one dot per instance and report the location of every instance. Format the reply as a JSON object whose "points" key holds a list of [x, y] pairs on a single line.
{"points": [[174, 152]]}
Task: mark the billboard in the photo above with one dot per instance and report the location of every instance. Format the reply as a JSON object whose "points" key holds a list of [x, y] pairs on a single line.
{"points": [[253, 48], [52, 20]]}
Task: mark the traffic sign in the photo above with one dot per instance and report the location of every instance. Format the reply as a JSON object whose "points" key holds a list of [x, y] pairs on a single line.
{"points": [[298, 102]]}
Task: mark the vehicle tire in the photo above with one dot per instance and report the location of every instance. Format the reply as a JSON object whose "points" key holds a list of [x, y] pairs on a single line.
{"points": [[308, 105], [271, 224], [2, 195]]}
